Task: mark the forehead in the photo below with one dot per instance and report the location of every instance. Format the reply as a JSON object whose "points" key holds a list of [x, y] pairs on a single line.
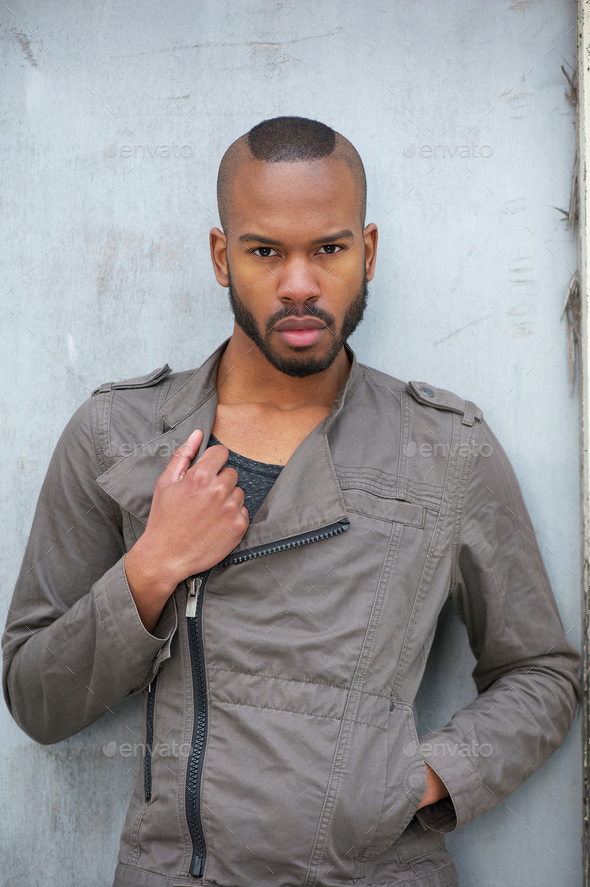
{"points": [[304, 195]]}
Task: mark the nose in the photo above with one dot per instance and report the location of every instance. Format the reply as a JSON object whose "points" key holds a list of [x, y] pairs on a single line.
{"points": [[298, 282]]}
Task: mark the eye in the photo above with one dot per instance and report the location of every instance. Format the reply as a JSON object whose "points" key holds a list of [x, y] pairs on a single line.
{"points": [[331, 249], [263, 252]]}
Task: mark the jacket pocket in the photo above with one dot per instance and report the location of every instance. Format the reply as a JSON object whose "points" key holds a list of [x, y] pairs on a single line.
{"points": [[384, 508], [405, 778], [149, 740], [417, 841]]}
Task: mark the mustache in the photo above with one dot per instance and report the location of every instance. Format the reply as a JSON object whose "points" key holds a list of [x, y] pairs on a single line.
{"points": [[309, 311]]}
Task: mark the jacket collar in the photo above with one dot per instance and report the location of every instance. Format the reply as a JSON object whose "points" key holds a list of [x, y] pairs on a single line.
{"points": [[305, 497]]}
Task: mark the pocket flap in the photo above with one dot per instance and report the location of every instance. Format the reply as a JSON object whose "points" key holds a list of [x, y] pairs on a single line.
{"points": [[360, 502]]}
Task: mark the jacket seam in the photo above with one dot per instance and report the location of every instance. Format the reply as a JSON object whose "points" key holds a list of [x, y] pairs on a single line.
{"points": [[412, 874], [164, 388], [101, 459], [448, 502], [292, 711], [388, 520], [136, 849], [342, 748], [296, 681], [358, 471], [464, 487]]}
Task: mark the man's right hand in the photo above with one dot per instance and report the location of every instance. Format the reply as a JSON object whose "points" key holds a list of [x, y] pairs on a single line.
{"points": [[197, 517]]}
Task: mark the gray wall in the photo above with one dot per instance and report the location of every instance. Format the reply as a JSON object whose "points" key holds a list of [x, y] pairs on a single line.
{"points": [[106, 275]]}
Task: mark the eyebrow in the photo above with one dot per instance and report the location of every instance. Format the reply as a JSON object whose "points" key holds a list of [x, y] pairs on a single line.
{"points": [[329, 239]]}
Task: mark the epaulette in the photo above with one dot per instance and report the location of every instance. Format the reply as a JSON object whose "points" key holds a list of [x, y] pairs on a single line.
{"points": [[444, 400], [138, 382]]}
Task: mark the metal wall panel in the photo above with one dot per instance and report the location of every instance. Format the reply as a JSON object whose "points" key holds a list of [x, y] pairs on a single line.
{"points": [[115, 117]]}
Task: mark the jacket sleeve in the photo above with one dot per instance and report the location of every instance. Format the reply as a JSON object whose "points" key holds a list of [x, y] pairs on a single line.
{"points": [[74, 644], [526, 672]]}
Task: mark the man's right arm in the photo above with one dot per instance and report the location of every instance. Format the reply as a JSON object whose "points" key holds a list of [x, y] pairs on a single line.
{"points": [[76, 641]]}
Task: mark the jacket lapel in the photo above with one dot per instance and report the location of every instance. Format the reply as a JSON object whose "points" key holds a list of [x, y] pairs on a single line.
{"points": [[305, 497]]}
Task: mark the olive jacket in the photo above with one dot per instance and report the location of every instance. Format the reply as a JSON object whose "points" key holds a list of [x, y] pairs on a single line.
{"points": [[285, 676]]}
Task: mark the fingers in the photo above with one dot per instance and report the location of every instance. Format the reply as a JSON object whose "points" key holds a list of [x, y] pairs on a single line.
{"points": [[238, 496], [229, 476], [181, 459], [214, 458], [209, 465]]}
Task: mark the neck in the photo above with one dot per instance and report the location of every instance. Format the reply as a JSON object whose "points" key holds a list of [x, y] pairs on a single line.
{"points": [[245, 376]]}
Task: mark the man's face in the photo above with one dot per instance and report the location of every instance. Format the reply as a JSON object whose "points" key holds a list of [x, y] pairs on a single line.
{"points": [[302, 362], [296, 268]]}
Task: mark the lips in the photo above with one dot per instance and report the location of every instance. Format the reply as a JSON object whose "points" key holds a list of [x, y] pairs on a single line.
{"points": [[300, 332], [299, 323]]}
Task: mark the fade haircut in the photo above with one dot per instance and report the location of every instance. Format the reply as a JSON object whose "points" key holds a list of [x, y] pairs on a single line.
{"points": [[287, 140]]}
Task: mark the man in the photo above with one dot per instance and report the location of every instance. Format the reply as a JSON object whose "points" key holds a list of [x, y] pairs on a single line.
{"points": [[278, 617]]}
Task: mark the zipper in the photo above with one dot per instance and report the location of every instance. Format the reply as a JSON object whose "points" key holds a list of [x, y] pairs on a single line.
{"points": [[149, 740], [291, 542], [194, 619], [194, 587], [194, 613]]}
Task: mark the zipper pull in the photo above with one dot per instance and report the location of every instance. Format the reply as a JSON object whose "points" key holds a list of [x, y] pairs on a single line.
{"points": [[194, 586]]}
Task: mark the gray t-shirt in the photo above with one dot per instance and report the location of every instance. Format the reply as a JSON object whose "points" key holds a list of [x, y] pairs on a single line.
{"points": [[254, 478]]}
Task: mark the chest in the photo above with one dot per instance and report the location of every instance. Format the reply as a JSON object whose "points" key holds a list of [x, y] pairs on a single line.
{"points": [[265, 434]]}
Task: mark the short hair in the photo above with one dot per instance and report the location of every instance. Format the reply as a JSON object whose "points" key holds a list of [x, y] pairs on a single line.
{"points": [[288, 140]]}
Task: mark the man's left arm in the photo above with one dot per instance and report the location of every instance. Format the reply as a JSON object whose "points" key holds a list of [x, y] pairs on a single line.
{"points": [[526, 672]]}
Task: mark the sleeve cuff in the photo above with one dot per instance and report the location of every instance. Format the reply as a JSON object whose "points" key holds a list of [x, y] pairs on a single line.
{"points": [[440, 816], [465, 800], [117, 610]]}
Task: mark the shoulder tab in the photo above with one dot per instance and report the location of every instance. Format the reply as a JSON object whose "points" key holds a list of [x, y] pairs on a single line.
{"points": [[138, 382], [444, 400]]}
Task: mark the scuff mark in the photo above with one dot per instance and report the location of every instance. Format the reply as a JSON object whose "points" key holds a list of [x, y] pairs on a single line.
{"points": [[234, 45], [516, 205], [517, 310], [23, 41], [520, 5], [105, 270], [518, 104], [461, 328], [520, 329]]}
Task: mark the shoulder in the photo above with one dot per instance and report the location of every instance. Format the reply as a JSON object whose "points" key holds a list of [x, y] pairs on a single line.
{"points": [[424, 394], [161, 382], [125, 414], [138, 382]]}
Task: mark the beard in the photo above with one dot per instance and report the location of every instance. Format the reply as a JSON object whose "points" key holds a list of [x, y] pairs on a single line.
{"points": [[301, 366]]}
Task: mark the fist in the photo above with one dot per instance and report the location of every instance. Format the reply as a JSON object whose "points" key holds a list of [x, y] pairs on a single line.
{"points": [[196, 518]]}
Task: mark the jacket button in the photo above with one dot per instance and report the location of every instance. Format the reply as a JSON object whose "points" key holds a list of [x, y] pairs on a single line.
{"points": [[427, 391]]}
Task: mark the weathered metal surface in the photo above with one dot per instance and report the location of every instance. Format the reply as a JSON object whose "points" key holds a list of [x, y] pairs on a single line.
{"points": [[116, 117]]}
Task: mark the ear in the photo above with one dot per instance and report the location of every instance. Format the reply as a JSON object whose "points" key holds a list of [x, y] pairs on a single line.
{"points": [[370, 236], [218, 245]]}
